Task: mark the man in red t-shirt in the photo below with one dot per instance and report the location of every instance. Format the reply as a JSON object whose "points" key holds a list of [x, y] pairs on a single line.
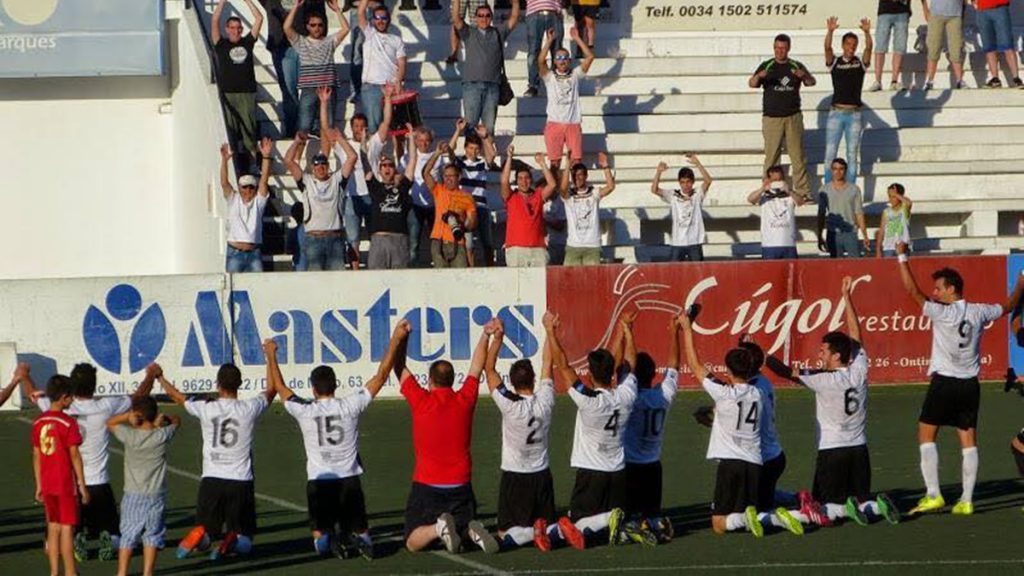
{"points": [[525, 246], [59, 474], [441, 504]]}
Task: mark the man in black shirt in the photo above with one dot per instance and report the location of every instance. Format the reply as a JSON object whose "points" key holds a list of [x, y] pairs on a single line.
{"points": [[844, 119], [237, 78], [391, 203], [782, 121]]}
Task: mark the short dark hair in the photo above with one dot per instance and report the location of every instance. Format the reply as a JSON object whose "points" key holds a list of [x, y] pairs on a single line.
{"points": [[602, 365], [577, 167], [323, 380], [756, 357], [358, 116], [951, 278], [898, 188], [522, 375], [58, 387], [784, 38], [686, 173], [839, 343], [849, 35], [381, 8], [777, 169], [644, 370], [233, 19], [524, 168], [83, 376], [448, 167], [229, 377], [310, 15], [739, 362], [442, 374], [839, 161], [146, 407], [473, 138]]}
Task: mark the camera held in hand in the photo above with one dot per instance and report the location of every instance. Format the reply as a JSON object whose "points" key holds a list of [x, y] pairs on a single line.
{"points": [[455, 224]]}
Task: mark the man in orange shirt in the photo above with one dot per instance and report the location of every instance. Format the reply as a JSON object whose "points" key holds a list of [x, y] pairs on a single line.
{"points": [[454, 214]]}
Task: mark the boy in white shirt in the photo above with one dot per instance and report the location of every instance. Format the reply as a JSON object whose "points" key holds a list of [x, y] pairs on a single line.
{"points": [[582, 212], [778, 215], [685, 204]]}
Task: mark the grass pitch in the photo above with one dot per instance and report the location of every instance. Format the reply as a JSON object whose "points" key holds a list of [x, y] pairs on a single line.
{"points": [[937, 544]]}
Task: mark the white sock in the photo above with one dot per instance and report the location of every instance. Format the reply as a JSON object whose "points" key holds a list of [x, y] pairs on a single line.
{"points": [[970, 472], [800, 516], [594, 523], [439, 527], [521, 535], [769, 518], [930, 468], [835, 511], [870, 507], [735, 521]]}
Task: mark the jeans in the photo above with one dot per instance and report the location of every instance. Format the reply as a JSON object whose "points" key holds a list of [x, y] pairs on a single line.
{"points": [[848, 124], [420, 219], [309, 111], [356, 61], [480, 102], [241, 261], [894, 25], [694, 253], [372, 98], [778, 252], [996, 29], [357, 212], [324, 253], [295, 241], [537, 25], [286, 66], [842, 244]]}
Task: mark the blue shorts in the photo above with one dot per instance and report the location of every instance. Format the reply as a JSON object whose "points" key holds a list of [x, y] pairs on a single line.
{"points": [[142, 517], [996, 29], [896, 25], [778, 252]]}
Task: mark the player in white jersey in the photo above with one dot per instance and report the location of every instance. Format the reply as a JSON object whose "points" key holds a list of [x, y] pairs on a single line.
{"points": [[227, 493], [735, 440], [526, 495], [644, 434], [842, 475], [598, 455], [953, 393], [99, 517], [330, 434]]}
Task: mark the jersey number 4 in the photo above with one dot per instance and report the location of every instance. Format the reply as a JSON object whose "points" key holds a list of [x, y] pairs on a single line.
{"points": [[752, 416], [327, 430], [612, 425], [225, 432]]}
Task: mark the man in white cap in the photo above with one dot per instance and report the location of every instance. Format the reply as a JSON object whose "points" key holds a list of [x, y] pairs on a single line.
{"points": [[245, 212]]}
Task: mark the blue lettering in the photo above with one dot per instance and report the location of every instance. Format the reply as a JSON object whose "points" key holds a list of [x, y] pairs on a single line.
{"points": [[342, 338], [518, 333], [434, 325], [380, 325], [459, 333], [213, 330], [302, 335], [247, 334]]}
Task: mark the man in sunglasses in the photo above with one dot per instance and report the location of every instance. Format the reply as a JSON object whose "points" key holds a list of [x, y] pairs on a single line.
{"points": [[481, 71], [383, 61], [245, 212], [564, 127], [316, 61]]}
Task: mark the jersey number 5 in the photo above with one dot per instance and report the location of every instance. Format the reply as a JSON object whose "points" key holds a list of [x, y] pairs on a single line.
{"points": [[225, 433]]}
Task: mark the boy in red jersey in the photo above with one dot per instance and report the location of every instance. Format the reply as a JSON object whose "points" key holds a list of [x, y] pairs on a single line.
{"points": [[59, 474]]}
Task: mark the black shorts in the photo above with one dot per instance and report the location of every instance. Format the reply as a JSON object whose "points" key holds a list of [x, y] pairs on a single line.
{"points": [[523, 498], [951, 402], [1018, 457], [100, 514], [735, 486], [597, 492], [841, 473], [336, 505], [426, 503], [771, 471], [227, 505], [578, 12], [643, 496]]}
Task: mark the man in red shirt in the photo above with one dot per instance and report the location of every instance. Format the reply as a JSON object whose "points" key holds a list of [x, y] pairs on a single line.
{"points": [[441, 504], [59, 474], [525, 246]]}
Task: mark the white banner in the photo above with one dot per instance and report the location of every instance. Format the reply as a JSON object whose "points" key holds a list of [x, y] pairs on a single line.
{"points": [[192, 324]]}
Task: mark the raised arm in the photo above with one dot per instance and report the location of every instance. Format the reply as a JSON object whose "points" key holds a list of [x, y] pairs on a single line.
{"points": [[343, 26], [5, 394], [218, 11], [629, 343], [325, 95], [28, 387], [673, 344], [476, 363], [908, 277], [428, 169], [413, 155], [385, 124], [124, 418], [782, 370], [755, 196], [656, 183], [559, 362], [257, 19], [869, 44], [362, 13], [831, 25], [563, 183], [549, 178], [343, 147], [146, 386], [267, 152], [545, 49], [609, 178], [289, 22], [490, 151], [398, 339], [460, 127], [705, 176], [506, 173], [852, 320], [225, 183], [457, 20], [546, 361], [491, 364], [513, 18], [290, 158], [692, 360], [275, 381], [1014, 300], [588, 54], [172, 392]]}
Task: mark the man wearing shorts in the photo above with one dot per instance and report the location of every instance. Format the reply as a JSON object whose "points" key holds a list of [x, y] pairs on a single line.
{"points": [[945, 22], [564, 127], [893, 22], [996, 29]]}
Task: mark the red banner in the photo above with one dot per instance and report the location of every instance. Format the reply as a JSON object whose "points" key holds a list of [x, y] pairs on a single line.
{"points": [[786, 306]]}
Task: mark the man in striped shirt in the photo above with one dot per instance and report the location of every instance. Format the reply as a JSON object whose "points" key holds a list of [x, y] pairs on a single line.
{"points": [[541, 16], [316, 61], [474, 180]]}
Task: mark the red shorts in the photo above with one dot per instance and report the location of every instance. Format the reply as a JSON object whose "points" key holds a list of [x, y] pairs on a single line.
{"points": [[558, 135], [61, 509]]}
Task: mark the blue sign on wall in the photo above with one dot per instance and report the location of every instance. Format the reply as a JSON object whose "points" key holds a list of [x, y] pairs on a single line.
{"points": [[81, 38], [1015, 266]]}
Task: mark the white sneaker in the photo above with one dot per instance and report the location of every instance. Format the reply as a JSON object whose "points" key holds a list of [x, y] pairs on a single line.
{"points": [[876, 87], [448, 534]]}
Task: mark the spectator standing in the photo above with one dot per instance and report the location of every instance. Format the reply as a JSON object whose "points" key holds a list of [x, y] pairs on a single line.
{"points": [[778, 215], [541, 16], [316, 61], [367, 147], [994, 22], [893, 22], [844, 119], [485, 54], [474, 170], [685, 206], [564, 126], [389, 218], [458, 16], [783, 123], [554, 219], [421, 217], [585, 13], [285, 58], [237, 77], [524, 205], [945, 24], [245, 212], [895, 225], [841, 214], [383, 61], [454, 214], [355, 69], [583, 212], [297, 237]]}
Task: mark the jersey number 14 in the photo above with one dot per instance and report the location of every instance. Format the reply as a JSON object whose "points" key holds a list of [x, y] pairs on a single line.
{"points": [[751, 418]]}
